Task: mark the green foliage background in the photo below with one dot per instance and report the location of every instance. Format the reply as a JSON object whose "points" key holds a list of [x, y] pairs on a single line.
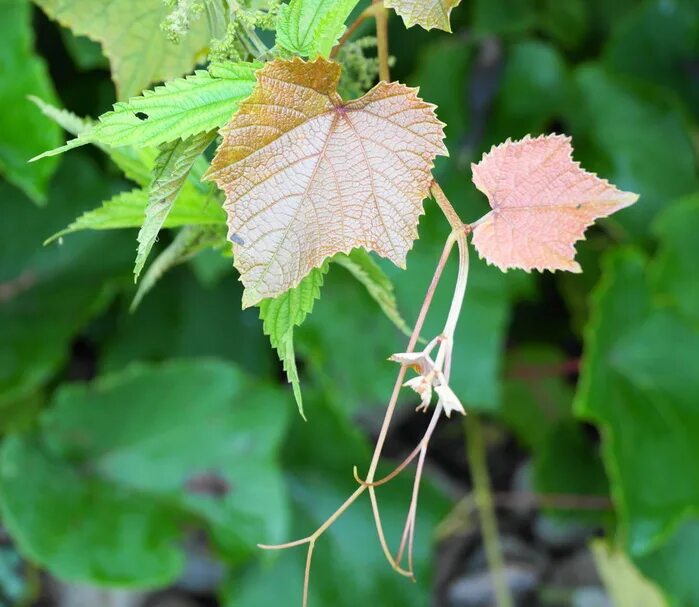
{"points": [[108, 416]]}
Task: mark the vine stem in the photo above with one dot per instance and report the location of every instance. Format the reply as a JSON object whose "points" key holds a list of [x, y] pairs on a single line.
{"points": [[382, 40], [457, 236], [483, 497], [369, 12]]}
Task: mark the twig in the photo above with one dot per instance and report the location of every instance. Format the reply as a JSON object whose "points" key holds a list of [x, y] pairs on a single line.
{"points": [[370, 11], [390, 409], [382, 41], [456, 236], [484, 502]]}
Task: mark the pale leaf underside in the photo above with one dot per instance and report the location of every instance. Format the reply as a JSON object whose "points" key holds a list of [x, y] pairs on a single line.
{"points": [[307, 175], [542, 203], [425, 13]]}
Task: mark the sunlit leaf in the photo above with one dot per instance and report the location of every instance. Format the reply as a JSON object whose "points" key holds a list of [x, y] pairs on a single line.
{"points": [[426, 13], [178, 109], [127, 210], [136, 163], [312, 27], [129, 31], [542, 203], [622, 580], [307, 175]]}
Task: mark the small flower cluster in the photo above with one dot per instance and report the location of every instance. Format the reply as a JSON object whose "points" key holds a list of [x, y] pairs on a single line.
{"points": [[180, 19], [359, 72], [238, 43], [429, 376]]}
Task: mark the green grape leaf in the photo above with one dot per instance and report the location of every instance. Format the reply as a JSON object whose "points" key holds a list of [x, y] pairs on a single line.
{"points": [[312, 27], [360, 264], [188, 242], [100, 492], [645, 403], [606, 113], [534, 90], [568, 462], [180, 108], [172, 167], [280, 315], [126, 210], [49, 294], [672, 566], [129, 31], [23, 131], [673, 270], [656, 43], [135, 163]]}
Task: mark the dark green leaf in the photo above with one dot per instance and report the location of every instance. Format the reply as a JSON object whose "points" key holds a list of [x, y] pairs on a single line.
{"points": [[100, 492], [24, 132]]}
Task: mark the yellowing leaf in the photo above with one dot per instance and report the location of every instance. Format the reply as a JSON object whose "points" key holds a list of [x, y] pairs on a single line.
{"points": [[542, 202], [307, 175], [129, 30], [426, 13]]}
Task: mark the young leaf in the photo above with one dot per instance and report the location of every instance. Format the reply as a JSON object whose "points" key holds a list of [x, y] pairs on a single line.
{"points": [[126, 210], [425, 13], [172, 166], [129, 31], [360, 264], [178, 109], [307, 175], [542, 202], [136, 163], [312, 27], [281, 314]]}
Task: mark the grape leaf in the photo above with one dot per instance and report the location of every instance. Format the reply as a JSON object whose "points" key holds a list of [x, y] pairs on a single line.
{"points": [[129, 31], [172, 166], [360, 264], [180, 108], [542, 202], [307, 175], [312, 27], [281, 314], [425, 13]]}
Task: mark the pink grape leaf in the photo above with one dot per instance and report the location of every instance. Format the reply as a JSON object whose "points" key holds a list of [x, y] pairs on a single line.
{"points": [[307, 175], [542, 202]]}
